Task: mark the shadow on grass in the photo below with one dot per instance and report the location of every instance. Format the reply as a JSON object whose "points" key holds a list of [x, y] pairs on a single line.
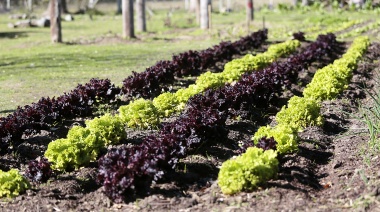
{"points": [[13, 35], [6, 112]]}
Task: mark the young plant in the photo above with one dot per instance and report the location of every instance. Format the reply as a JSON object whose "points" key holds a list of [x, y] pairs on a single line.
{"points": [[300, 113], [285, 137], [108, 129], [12, 183], [38, 170], [140, 113], [74, 151], [247, 171]]}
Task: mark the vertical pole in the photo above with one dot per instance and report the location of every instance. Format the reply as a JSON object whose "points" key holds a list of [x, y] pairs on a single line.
{"points": [[249, 10], [263, 22], [209, 10]]}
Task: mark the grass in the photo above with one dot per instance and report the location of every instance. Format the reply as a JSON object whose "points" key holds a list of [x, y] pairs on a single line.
{"points": [[31, 67], [371, 118]]}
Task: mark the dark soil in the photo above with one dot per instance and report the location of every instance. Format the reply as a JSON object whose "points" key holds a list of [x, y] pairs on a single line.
{"points": [[333, 170]]}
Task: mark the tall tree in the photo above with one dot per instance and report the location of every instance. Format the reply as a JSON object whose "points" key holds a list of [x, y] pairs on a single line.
{"points": [[249, 11], [229, 5], [204, 14], [29, 6], [118, 6], [198, 11], [64, 6], [127, 13], [55, 21], [140, 12], [192, 5]]}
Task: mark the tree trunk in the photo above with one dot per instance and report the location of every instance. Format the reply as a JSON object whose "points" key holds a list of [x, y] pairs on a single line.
{"points": [[128, 26], [8, 7], [91, 4], [198, 11], [270, 5], [63, 10], [249, 11], [193, 5], [295, 3], [64, 6], [229, 6], [29, 5], [204, 14], [187, 4], [118, 6], [141, 21], [305, 2], [55, 21]]}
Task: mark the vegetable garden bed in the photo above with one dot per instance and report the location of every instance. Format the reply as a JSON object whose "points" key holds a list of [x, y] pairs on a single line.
{"points": [[323, 174]]}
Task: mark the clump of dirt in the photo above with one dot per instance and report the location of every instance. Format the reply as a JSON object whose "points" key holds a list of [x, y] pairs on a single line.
{"points": [[329, 172]]}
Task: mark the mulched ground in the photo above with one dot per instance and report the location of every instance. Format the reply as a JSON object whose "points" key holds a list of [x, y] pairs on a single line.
{"points": [[333, 170]]}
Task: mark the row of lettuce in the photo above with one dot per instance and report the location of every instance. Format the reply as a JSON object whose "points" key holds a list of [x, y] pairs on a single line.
{"points": [[107, 129], [124, 172], [147, 162], [83, 100], [257, 166], [345, 29], [83, 144]]}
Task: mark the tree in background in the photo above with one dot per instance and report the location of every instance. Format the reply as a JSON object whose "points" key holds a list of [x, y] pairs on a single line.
{"points": [[63, 7], [118, 6], [127, 13], [198, 11], [140, 12], [55, 21], [204, 14]]}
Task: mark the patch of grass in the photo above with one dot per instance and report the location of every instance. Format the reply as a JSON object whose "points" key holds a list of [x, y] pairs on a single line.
{"points": [[371, 118]]}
